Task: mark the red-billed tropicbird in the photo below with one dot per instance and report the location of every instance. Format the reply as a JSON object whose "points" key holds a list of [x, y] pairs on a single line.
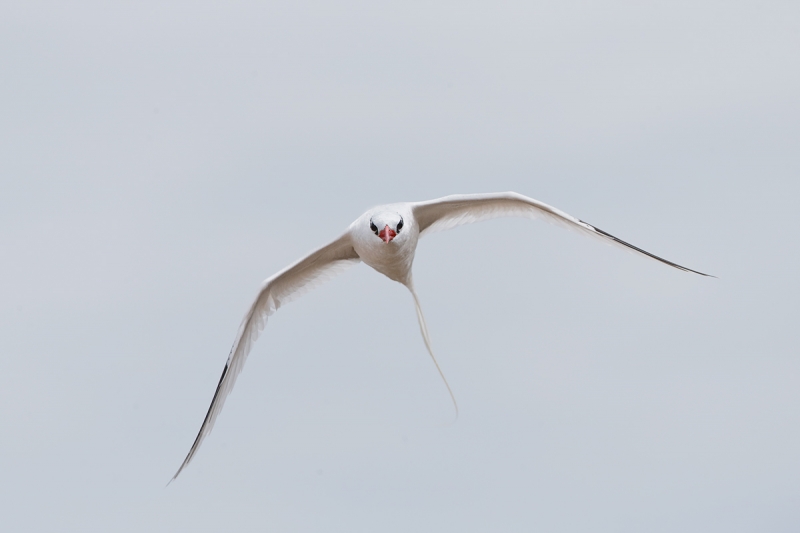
{"points": [[385, 238]]}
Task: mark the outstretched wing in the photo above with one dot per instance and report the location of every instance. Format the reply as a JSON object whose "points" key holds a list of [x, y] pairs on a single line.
{"points": [[317, 267], [451, 211]]}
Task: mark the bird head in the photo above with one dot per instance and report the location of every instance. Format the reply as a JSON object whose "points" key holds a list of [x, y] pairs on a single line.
{"points": [[386, 225]]}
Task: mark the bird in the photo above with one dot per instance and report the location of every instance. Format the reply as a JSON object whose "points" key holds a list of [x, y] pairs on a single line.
{"points": [[385, 238]]}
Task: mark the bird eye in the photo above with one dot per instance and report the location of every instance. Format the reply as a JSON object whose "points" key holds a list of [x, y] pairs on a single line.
{"points": [[400, 224], [373, 227]]}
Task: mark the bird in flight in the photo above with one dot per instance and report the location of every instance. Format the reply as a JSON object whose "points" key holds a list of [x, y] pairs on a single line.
{"points": [[385, 238]]}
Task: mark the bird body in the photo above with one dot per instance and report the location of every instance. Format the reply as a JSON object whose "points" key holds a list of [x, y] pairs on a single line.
{"points": [[385, 238]]}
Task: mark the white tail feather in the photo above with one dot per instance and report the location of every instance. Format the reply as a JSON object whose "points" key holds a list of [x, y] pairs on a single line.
{"points": [[423, 328]]}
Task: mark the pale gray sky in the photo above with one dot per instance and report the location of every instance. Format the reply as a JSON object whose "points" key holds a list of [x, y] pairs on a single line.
{"points": [[157, 162]]}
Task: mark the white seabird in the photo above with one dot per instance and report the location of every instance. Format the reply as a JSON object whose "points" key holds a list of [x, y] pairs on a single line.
{"points": [[385, 238]]}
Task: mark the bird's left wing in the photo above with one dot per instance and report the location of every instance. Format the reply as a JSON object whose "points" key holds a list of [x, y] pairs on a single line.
{"points": [[296, 279], [451, 211]]}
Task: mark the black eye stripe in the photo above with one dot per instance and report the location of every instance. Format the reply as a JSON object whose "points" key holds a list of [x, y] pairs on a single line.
{"points": [[374, 228]]}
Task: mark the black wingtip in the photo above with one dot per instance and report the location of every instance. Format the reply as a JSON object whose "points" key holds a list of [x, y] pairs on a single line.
{"points": [[657, 258], [199, 437]]}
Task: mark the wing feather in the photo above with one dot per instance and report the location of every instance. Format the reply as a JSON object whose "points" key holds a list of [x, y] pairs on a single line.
{"points": [[285, 286], [456, 210]]}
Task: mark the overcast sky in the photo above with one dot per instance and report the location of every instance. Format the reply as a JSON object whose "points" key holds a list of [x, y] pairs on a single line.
{"points": [[157, 162]]}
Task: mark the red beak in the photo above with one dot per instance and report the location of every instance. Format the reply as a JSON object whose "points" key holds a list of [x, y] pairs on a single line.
{"points": [[387, 234]]}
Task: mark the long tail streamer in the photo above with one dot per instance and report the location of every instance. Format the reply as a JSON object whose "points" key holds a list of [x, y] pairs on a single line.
{"points": [[423, 328]]}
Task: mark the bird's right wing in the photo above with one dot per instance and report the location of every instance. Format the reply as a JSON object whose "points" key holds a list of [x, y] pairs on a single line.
{"points": [[451, 211], [296, 279]]}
